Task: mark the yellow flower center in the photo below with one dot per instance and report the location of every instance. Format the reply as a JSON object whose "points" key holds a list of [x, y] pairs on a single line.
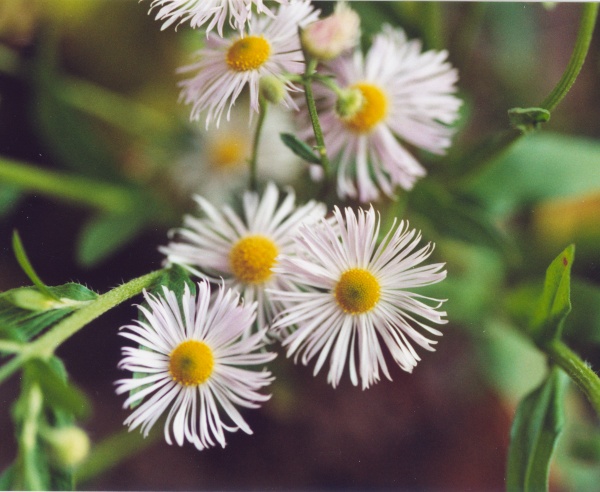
{"points": [[191, 363], [373, 109], [228, 151], [252, 258], [357, 291], [248, 53]]}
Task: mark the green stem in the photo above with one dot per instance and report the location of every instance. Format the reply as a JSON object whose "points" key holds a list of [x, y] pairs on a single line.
{"points": [[102, 196], [582, 44], [10, 347], [432, 25], [476, 159], [44, 346], [28, 470], [112, 451], [311, 65], [263, 105], [579, 371]]}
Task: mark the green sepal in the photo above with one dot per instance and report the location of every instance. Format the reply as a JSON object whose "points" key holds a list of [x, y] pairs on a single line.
{"points": [[537, 425], [528, 119], [555, 302], [300, 148]]}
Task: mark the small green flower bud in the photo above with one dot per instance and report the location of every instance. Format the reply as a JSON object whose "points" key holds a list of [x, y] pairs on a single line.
{"points": [[349, 103], [69, 445], [272, 89]]}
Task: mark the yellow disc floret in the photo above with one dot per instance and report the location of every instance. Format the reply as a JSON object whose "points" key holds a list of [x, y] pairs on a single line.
{"points": [[252, 258], [248, 53], [191, 363], [228, 151], [357, 291], [372, 111]]}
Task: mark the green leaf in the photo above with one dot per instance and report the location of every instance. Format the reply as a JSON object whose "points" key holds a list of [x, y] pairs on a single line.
{"points": [[25, 264], [175, 278], [67, 133], [537, 425], [542, 166], [555, 303], [528, 119], [7, 477], [58, 393], [103, 235], [25, 312], [300, 148], [9, 197], [457, 217]]}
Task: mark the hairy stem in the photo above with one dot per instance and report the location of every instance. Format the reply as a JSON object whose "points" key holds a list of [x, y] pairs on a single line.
{"points": [[45, 345], [582, 45], [311, 65], [477, 158], [578, 371]]}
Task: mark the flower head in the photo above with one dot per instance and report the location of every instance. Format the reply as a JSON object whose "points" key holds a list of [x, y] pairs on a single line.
{"points": [[243, 251], [357, 295], [328, 38], [216, 164], [405, 94], [211, 12], [224, 67], [189, 360]]}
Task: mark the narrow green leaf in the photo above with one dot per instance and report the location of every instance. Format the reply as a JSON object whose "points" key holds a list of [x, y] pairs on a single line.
{"points": [[528, 119], [300, 148], [25, 264], [57, 392], [105, 234], [554, 304], [537, 425]]}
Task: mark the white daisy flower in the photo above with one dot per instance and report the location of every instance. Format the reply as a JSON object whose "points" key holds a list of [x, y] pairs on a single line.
{"points": [[243, 251], [225, 66], [213, 12], [358, 295], [216, 165], [190, 360], [406, 94]]}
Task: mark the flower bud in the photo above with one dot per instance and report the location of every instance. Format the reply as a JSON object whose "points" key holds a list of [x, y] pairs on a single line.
{"points": [[272, 89], [328, 38], [349, 103], [69, 445]]}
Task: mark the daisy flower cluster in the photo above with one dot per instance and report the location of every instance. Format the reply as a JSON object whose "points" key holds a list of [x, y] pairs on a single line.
{"points": [[329, 287]]}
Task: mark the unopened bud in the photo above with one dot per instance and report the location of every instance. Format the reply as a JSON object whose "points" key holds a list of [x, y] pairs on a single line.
{"points": [[349, 102], [272, 89], [69, 445], [328, 38]]}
